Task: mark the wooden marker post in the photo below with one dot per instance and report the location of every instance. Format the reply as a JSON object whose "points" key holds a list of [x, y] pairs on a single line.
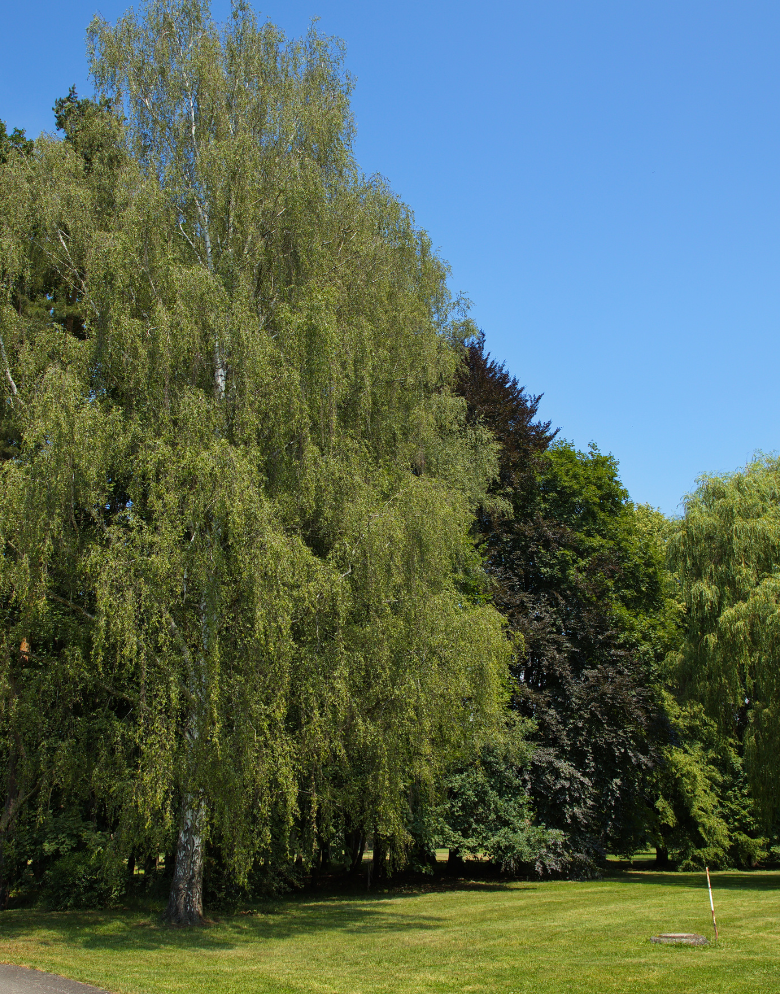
{"points": [[712, 906]]}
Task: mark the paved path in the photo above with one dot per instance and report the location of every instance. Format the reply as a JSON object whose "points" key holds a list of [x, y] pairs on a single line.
{"points": [[20, 980]]}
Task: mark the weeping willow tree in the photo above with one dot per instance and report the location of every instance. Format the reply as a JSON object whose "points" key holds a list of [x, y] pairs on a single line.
{"points": [[236, 489], [726, 552]]}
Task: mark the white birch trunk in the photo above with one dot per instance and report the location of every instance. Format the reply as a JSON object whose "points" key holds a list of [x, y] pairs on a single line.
{"points": [[185, 902]]}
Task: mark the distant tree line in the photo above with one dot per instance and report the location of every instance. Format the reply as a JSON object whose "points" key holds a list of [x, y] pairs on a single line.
{"points": [[290, 568]]}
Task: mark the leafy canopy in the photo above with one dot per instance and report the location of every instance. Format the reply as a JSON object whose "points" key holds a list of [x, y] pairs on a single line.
{"points": [[726, 553], [237, 488]]}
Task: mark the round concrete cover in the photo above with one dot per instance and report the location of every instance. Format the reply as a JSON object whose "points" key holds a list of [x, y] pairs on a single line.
{"points": [[681, 938], [21, 980]]}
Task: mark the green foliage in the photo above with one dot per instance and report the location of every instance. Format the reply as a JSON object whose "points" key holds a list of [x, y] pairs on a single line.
{"points": [[726, 553], [578, 572], [488, 810], [244, 440], [704, 813], [590, 608], [91, 130], [237, 488], [65, 862], [16, 142]]}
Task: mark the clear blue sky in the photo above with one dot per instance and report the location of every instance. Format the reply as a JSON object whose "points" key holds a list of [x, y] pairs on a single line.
{"points": [[603, 177]]}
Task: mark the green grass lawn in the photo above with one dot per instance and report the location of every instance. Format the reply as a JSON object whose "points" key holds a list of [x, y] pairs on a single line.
{"points": [[540, 937]]}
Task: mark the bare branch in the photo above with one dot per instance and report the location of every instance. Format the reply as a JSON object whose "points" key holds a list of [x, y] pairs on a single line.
{"points": [[181, 228]]}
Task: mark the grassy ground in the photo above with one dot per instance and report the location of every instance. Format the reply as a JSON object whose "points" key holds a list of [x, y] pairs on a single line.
{"points": [[538, 937]]}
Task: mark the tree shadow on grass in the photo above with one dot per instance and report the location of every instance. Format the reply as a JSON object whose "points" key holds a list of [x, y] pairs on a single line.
{"points": [[116, 931], [380, 911], [726, 880], [440, 885]]}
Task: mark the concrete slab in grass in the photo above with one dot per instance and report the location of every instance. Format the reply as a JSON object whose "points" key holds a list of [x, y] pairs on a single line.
{"points": [[681, 939]]}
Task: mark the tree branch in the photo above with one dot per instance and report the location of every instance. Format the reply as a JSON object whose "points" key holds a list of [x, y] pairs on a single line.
{"points": [[8, 376], [71, 605]]}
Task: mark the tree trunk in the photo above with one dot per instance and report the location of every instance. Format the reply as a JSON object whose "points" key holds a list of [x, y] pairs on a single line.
{"points": [[455, 862], [5, 823], [356, 846], [661, 857], [148, 868], [185, 904], [321, 862], [8, 815], [4, 889], [379, 863]]}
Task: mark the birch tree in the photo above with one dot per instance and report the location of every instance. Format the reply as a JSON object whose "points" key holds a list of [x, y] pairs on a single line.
{"points": [[246, 480]]}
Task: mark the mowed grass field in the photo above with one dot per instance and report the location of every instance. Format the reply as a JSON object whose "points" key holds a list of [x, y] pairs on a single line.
{"points": [[538, 937]]}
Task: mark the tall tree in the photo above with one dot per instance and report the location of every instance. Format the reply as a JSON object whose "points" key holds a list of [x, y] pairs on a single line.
{"points": [[246, 480], [589, 603], [580, 582], [497, 401], [52, 704], [726, 553]]}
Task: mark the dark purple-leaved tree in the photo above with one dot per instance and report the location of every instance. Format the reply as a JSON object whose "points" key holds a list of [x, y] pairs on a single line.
{"points": [[578, 578]]}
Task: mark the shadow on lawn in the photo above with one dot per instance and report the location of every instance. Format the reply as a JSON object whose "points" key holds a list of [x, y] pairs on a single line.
{"points": [[727, 880], [272, 921], [387, 912], [119, 932]]}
